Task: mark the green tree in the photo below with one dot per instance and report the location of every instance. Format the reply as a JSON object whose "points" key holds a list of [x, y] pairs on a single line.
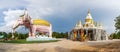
{"points": [[60, 35], [117, 26], [22, 36], [9, 35], [114, 36], [117, 23], [5, 34]]}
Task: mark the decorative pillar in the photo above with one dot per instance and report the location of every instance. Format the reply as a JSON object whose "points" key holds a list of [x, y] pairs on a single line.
{"points": [[87, 33], [97, 37], [93, 34]]}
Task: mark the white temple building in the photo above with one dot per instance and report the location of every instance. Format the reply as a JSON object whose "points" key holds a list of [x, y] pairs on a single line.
{"points": [[90, 30]]}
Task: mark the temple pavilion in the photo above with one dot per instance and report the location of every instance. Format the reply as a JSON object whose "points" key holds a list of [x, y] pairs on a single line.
{"points": [[90, 30]]}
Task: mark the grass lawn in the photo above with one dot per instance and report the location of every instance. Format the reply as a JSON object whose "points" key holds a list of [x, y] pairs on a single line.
{"points": [[24, 41]]}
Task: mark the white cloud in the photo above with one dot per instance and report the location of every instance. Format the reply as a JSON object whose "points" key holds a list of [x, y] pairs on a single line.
{"points": [[10, 18]]}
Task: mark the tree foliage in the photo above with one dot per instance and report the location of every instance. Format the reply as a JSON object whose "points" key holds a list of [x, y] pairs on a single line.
{"points": [[60, 35], [115, 35], [117, 23], [16, 34], [24, 36]]}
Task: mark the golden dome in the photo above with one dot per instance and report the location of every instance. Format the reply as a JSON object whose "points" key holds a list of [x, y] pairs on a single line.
{"points": [[41, 22], [88, 20]]}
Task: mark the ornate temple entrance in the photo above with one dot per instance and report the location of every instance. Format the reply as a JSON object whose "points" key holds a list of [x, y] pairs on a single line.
{"points": [[90, 35]]}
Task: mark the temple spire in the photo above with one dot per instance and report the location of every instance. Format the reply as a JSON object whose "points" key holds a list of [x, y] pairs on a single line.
{"points": [[88, 15], [100, 24], [78, 25], [79, 22], [88, 10]]}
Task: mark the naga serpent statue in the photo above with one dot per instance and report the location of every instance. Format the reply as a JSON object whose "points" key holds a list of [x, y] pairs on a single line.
{"points": [[39, 25]]}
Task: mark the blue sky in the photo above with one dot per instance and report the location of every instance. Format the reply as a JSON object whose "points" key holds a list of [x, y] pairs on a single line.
{"points": [[62, 14]]}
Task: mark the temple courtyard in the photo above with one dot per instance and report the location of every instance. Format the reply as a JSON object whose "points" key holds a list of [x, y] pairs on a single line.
{"points": [[64, 45]]}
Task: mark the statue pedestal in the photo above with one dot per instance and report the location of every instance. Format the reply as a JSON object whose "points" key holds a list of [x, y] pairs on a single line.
{"points": [[40, 38]]}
